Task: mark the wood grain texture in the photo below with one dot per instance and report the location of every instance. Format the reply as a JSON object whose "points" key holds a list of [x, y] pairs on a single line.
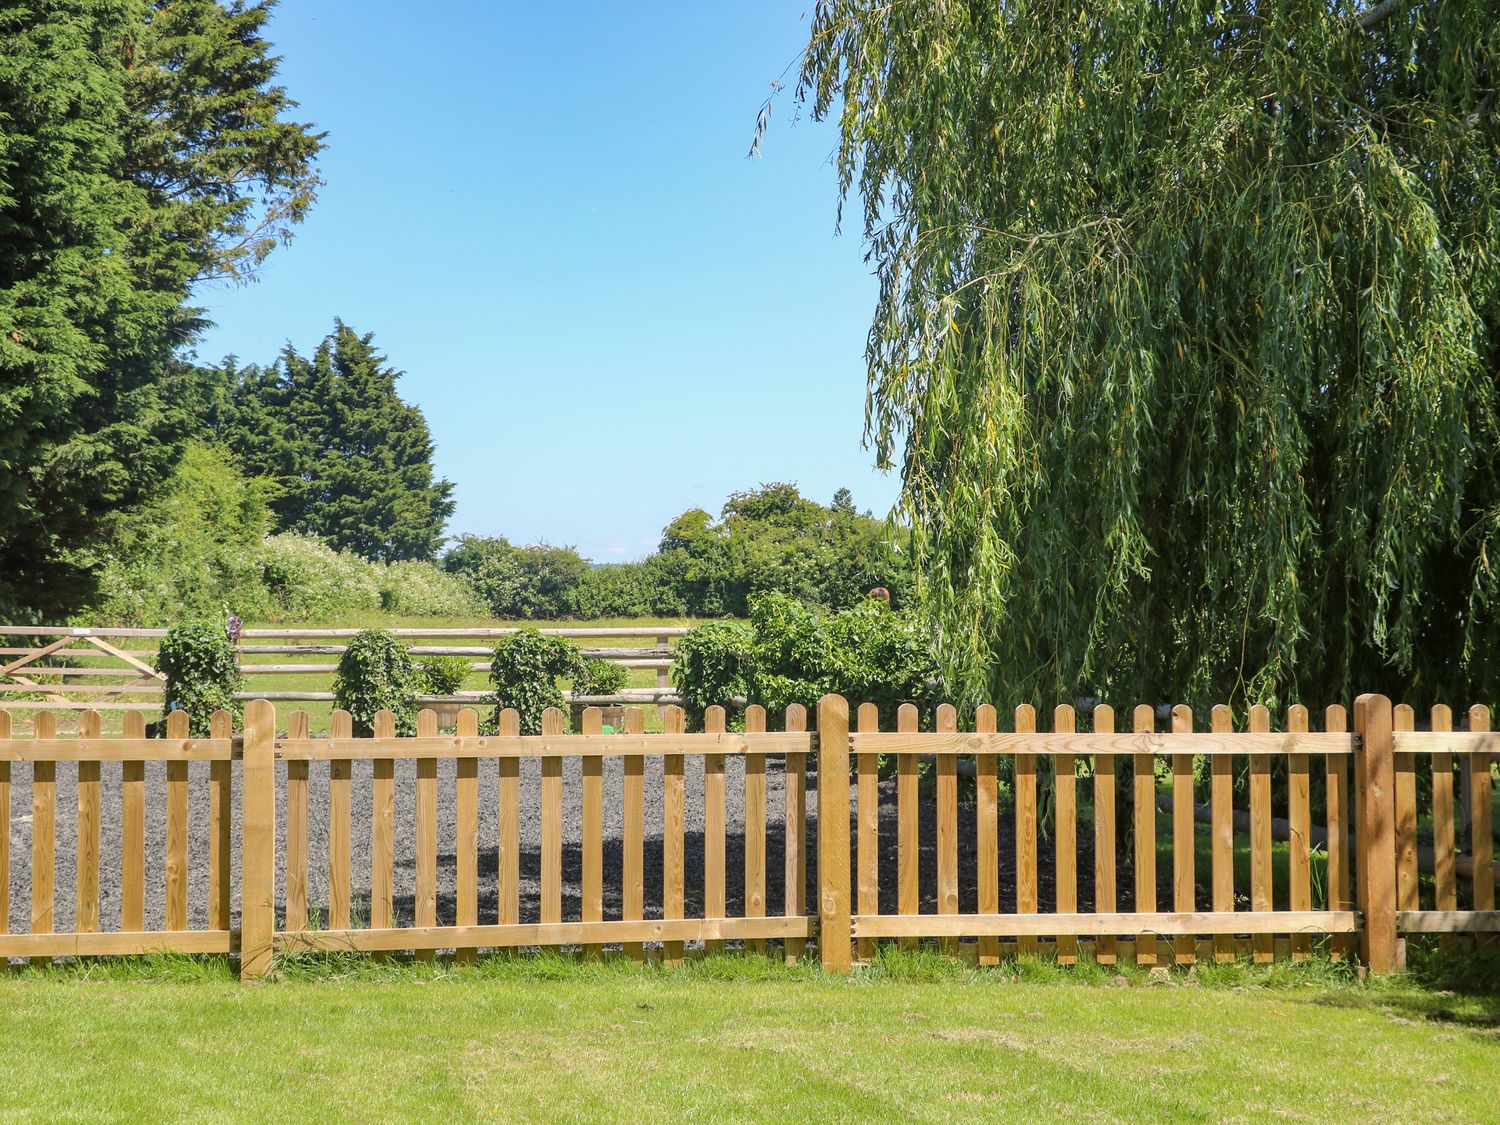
{"points": [[1374, 787], [1105, 894], [1184, 858], [908, 848], [258, 840], [795, 868], [1261, 891], [1299, 816], [755, 825], [713, 825], [466, 833], [43, 831], [177, 829], [673, 845], [1065, 829], [1481, 817], [552, 822], [633, 841], [220, 827], [1404, 720], [1139, 744], [508, 841], [426, 832], [1145, 833], [592, 909], [298, 726], [867, 817], [1026, 826], [946, 722], [133, 831], [1221, 783], [340, 824], [1339, 817], [834, 931], [986, 832], [86, 853], [382, 828]]}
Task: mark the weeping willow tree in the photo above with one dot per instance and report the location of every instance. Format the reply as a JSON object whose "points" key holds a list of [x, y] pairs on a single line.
{"points": [[1186, 343]]}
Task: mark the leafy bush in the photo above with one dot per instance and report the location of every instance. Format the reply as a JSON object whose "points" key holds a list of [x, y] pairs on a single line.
{"points": [[203, 673], [525, 669], [643, 589], [376, 673], [418, 588], [305, 578], [600, 677], [443, 675], [789, 653], [522, 583]]}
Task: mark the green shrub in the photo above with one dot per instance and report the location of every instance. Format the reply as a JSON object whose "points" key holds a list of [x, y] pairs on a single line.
{"points": [[202, 671], [520, 583], [711, 665], [525, 669], [443, 675], [641, 589], [376, 673], [417, 588], [600, 677], [305, 578]]}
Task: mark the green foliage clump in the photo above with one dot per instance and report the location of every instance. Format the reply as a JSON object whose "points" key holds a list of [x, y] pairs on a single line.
{"points": [[642, 589], [443, 675], [376, 674], [418, 588], [1186, 337], [525, 670], [304, 578], [520, 583], [790, 653], [600, 677], [202, 671]]}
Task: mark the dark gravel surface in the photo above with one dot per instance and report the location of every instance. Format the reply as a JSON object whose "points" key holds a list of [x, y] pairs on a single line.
{"points": [[21, 844]]}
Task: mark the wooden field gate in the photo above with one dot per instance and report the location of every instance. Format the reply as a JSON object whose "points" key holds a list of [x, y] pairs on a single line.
{"points": [[1370, 780]]}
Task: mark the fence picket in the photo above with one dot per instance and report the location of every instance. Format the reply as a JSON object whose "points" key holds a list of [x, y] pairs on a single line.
{"points": [[593, 823], [1336, 792], [833, 833], [1104, 834], [1221, 766], [382, 828], [298, 726], [133, 832], [1026, 852], [908, 850], [552, 822], [755, 825], [1145, 835], [1065, 831], [1184, 830], [633, 845], [177, 829], [424, 899], [466, 833], [987, 832], [867, 814], [1481, 822], [673, 845], [220, 826], [86, 854], [1444, 841], [258, 843], [5, 727], [340, 824], [947, 825], [1299, 816], [1403, 720], [796, 831], [1261, 889], [713, 827], [43, 834], [508, 841]]}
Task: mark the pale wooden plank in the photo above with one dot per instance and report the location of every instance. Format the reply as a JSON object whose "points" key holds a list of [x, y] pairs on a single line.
{"points": [[1403, 720], [298, 725], [755, 824], [177, 829], [592, 908], [1444, 839], [795, 868], [340, 825], [947, 824], [673, 845], [987, 833], [1144, 792], [43, 831], [1105, 898], [1065, 828], [382, 828], [258, 840], [1261, 893], [908, 848], [552, 823], [497, 746], [1221, 784], [1481, 818], [1299, 816], [424, 901], [867, 817], [1139, 744], [1448, 922], [43, 946], [220, 827], [670, 932], [466, 833], [508, 842], [713, 825], [86, 854], [1143, 924], [834, 934], [1336, 792], [633, 850], [1026, 826], [1184, 857], [133, 831], [180, 750]]}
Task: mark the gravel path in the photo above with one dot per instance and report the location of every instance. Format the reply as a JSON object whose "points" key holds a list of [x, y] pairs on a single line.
{"points": [[20, 844]]}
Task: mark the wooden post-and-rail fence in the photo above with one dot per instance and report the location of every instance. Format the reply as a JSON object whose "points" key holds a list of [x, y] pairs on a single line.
{"points": [[1015, 891]]}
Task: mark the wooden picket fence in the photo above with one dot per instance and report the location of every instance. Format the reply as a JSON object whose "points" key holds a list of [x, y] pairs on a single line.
{"points": [[1368, 779]]}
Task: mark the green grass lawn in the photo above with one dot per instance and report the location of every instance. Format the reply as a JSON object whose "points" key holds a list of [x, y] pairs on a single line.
{"points": [[912, 1037]]}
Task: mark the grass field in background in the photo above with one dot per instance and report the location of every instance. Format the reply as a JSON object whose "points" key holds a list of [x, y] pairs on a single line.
{"points": [[913, 1037]]}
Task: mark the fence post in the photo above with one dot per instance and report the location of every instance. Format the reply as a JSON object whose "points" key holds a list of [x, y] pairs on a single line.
{"points": [[1375, 826], [257, 839], [833, 833]]}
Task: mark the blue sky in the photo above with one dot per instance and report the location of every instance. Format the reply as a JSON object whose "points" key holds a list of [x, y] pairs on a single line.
{"points": [[546, 216]]}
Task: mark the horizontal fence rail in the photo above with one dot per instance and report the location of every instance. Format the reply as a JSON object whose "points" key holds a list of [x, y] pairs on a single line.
{"points": [[72, 669], [1080, 840]]}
